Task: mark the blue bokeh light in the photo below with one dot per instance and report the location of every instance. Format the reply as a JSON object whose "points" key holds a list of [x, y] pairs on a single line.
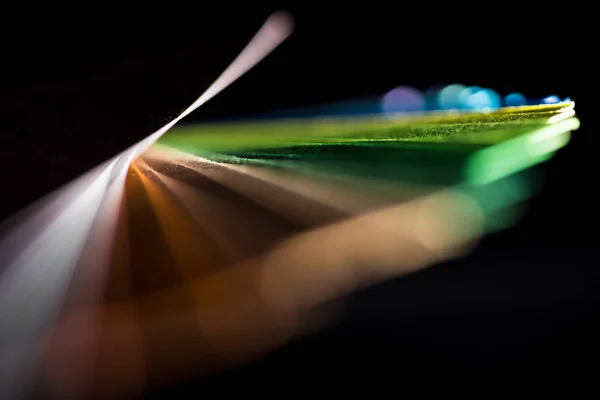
{"points": [[483, 99], [449, 97], [551, 100], [515, 99]]}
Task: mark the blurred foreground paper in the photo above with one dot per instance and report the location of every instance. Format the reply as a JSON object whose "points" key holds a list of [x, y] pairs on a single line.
{"points": [[220, 256], [44, 246], [221, 241]]}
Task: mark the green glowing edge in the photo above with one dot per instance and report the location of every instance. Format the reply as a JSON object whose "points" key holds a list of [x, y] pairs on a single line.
{"points": [[277, 133], [519, 153]]}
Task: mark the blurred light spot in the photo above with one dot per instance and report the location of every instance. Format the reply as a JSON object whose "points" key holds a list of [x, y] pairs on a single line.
{"points": [[464, 95], [515, 100], [483, 99], [403, 98], [551, 100], [449, 218], [449, 97]]}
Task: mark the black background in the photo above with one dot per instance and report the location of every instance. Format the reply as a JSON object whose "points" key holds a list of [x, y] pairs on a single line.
{"points": [[80, 85]]}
